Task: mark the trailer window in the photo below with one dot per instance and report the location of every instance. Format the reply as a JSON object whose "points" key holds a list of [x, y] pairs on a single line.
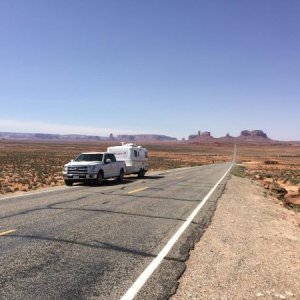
{"points": [[135, 153], [146, 154]]}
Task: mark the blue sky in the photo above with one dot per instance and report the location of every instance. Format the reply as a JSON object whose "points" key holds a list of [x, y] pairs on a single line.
{"points": [[170, 67]]}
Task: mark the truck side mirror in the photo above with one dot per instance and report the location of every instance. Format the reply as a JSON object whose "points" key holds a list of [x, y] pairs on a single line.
{"points": [[108, 160]]}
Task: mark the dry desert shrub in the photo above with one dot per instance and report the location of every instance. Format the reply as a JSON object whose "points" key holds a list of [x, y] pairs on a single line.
{"points": [[276, 167]]}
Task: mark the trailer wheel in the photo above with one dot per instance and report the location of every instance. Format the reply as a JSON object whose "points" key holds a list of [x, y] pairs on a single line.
{"points": [[121, 176], [68, 182], [100, 177], [141, 173]]}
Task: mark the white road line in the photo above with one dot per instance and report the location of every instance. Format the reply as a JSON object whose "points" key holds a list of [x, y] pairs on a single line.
{"points": [[142, 279]]}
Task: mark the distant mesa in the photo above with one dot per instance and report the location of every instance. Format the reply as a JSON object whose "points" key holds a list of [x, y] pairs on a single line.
{"points": [[253, 133], [254, 136]]}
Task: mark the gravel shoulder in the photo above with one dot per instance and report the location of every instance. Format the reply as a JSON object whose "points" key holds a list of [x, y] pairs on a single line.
{"points": [[251, 250]]}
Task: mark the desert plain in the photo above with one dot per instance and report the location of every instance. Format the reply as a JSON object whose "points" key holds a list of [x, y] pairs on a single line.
{"points": [[31, 165]]}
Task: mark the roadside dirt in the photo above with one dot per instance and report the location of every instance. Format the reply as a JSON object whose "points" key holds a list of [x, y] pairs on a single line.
{"points": [[251, 250]]}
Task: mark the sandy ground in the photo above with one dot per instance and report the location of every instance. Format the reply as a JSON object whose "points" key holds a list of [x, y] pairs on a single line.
{"points": [[251, 250]]}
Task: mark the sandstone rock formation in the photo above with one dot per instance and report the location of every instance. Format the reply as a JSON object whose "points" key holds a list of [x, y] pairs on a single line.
{"points": [[204, 134], [245, 136], [292, 200], [253, 133]]}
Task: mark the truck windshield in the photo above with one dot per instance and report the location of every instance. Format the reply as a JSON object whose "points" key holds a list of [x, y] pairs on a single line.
{"points": [[89, 157]]}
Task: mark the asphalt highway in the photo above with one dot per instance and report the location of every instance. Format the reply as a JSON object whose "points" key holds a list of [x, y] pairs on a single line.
{"points": [[88, 242]]}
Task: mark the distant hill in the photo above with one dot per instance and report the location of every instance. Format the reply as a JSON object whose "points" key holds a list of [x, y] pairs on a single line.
{"points": [[47, 136], [145, 137]]}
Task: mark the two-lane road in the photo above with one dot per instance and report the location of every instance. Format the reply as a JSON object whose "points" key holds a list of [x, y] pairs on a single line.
{"points": [[86, 242]]}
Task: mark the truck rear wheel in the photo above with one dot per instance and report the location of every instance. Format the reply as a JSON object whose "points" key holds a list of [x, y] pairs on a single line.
{"points": [[121, 176], [141, 173]]}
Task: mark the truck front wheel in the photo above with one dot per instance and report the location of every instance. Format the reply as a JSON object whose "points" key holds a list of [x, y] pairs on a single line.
{"points": [[100, 177], [68, 182]]}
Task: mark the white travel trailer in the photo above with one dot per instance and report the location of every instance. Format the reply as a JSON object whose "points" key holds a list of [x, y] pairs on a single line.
{"points": [[135, 158]]}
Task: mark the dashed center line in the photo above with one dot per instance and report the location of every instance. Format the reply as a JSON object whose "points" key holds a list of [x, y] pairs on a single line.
{"points": [[7, 232], [138, 190]]}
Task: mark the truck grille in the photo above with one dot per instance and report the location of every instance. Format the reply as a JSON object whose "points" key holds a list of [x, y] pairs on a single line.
{"points": [[77, 170]]}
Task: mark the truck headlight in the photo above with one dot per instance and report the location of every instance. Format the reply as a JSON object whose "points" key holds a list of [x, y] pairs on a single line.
{"points": [[65, 168]]}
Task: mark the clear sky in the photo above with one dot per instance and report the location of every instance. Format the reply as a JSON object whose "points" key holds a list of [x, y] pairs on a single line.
{"points": [[161, 66]]}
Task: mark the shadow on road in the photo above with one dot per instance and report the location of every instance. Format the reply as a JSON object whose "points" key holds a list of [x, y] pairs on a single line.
{"points": [[113, 182], [93, 244]]}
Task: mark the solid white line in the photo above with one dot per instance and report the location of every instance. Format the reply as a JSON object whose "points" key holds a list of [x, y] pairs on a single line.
{"points": [[141, 280]]}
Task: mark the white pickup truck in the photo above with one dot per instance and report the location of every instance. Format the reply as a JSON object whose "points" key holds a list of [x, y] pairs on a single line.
{"points": [[93, 167]]}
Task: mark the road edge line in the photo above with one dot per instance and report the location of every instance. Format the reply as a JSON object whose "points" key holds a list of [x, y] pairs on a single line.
{"points": [[145, 275]]}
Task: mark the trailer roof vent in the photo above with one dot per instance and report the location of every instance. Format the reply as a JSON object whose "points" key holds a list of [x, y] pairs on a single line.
{"points": [[131, 145]]}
